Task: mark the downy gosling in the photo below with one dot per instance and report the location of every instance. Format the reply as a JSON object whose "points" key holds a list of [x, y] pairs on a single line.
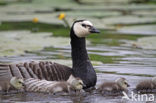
{"points": [[118, 85], [16, 83], [146, 85], [37, 85]]}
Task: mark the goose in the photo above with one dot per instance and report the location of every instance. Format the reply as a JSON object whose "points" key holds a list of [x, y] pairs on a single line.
{"points": [[119, 85], [146, 85], [81, 65], [14, 82], [37, 85]]}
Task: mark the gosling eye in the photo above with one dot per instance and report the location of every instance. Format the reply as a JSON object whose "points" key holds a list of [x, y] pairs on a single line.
{"points": [[20, 82], [80, 83], [84, 25], [126, 84]]}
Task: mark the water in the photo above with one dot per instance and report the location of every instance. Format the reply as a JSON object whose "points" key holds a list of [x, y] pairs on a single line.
{"points": [[132, 63]]}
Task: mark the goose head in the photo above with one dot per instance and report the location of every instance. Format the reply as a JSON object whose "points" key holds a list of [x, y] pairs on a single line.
{"points": [[17, 83], [154, 80], [122, 82], [82, 28], [76, 83]]}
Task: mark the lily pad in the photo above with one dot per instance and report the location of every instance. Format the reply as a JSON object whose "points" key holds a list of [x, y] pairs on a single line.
{"points": [[127, 20], [89, 13], [142, 30], [105, 1], [145, 43], [17, 42], [145, 13]]}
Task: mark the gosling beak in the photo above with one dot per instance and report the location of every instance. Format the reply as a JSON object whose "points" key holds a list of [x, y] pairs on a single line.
{"points": [[23, 84], [93, 30], [128, 85]]}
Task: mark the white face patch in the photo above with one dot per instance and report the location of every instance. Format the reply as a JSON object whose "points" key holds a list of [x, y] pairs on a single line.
{"points": [[81, 31]]}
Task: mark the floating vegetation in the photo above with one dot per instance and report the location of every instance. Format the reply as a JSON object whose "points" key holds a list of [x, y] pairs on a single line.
{"points": [[104, 59], [145, 43], [57, 30], [139, 30], [17, 42]]}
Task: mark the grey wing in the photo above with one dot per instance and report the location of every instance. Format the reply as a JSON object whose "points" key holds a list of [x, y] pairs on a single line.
{"points": [[5, 73], [38, 70]]}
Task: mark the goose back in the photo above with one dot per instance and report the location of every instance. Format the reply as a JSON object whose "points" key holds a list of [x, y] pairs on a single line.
{"points": [[38, 70], [5, 77]]}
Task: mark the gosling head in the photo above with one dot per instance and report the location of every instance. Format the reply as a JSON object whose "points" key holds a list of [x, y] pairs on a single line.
{"points": [[154, 80], [17, 83], [76, 83], [122, 82], [82, 28]]}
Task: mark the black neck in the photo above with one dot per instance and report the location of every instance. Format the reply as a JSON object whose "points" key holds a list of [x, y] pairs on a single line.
{"points": [[79, 52], [82, 67]]}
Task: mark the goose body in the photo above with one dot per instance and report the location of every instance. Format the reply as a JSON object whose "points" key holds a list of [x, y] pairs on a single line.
{"points": [[38, 70], [37, 85], [146, 85], [50, 71], [118, 85], [5, 77]]}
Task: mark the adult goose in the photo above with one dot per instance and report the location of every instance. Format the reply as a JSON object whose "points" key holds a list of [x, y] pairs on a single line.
{"points": [[81, 67]]}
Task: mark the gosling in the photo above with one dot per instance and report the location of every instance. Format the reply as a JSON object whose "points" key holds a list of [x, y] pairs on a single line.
{"points": [[14, 83], [117, 86], [44, 86], [146, 85]]}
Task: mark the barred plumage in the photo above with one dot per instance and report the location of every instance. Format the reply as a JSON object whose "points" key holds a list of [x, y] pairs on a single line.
{"points": [[37, 85], [38, 70]]}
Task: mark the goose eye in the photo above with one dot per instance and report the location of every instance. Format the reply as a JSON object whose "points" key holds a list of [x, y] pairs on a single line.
{"points": [[84, 25]]}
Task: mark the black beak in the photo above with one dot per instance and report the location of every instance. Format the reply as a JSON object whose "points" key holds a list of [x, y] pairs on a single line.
{"points": [[94, 30], [23, 84], [128, 85]]}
